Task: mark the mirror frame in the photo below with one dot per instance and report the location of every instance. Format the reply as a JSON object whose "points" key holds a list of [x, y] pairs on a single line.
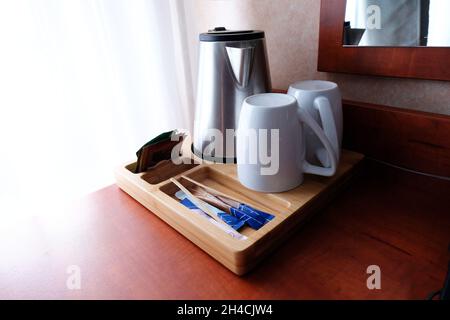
{"points": [[432, 63]]}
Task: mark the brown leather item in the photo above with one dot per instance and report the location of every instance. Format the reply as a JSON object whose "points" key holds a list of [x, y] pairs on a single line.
{"points": [[149, 156]]}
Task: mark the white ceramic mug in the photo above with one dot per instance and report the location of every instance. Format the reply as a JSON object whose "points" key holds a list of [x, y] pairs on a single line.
{"points": [[277, 113], [323, 101]]}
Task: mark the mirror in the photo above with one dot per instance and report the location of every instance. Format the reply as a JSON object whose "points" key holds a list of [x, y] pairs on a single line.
{"points": [[397, 23]]}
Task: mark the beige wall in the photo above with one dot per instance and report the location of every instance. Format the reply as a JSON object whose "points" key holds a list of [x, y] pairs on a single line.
{"points": [[292, 32]]}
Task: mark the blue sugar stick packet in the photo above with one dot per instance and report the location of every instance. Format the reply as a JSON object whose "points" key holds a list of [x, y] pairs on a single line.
{"points": [[257, 214], [249, 220]]}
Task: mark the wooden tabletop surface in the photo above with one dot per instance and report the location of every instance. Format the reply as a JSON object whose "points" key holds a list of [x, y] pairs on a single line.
{"points": [[386, 217]]}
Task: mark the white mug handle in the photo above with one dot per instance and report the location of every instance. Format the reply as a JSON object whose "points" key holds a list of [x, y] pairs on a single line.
{"points": [[322, 104], [305, 117]]}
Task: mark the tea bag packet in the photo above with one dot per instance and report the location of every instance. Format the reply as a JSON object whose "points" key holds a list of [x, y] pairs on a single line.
{"points": [[158, 149]]}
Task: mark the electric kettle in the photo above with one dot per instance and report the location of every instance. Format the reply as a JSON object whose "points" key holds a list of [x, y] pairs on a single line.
{"points": [[232, 66]]}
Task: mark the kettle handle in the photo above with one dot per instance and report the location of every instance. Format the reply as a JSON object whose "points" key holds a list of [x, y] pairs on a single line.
{"points": [[241, 62], [305, 117]]}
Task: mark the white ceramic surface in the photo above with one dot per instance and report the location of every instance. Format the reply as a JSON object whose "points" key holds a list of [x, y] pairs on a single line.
{"points": [[278, 111], [323, 101]]}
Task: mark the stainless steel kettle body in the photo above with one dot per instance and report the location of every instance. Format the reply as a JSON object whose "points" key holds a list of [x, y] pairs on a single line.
{"points": [[232, 66]]}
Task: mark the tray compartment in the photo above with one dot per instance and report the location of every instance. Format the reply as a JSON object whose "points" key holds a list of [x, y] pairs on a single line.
{"points": [[211, 177], [164, 171]]}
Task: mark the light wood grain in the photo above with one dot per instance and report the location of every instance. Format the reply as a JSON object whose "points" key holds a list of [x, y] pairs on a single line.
{"points": [[240, 256]]}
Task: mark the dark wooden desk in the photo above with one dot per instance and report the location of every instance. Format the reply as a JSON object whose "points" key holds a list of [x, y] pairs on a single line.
{"points": [[386, 217]]}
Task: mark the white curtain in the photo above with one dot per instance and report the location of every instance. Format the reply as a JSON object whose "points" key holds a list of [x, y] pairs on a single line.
{"points": [[439, 28], [400, 22], [83, 84], [355, 12]]}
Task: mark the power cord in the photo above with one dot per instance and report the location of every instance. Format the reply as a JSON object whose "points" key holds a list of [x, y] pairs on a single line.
{"points": [[444, 293], [409, 170], [434, 295]]}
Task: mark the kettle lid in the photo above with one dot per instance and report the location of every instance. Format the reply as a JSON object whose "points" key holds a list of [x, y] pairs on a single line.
{"points": [[222, 34]]}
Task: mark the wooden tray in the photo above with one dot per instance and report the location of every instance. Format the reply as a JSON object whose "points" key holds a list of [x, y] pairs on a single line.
{"points": [[154, 191]]}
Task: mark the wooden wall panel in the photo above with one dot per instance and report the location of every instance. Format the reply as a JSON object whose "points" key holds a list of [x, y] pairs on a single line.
{"points": [[412, 139]]}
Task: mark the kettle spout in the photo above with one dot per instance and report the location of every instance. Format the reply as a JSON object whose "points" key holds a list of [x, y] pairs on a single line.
{"points": [[241, 62]]}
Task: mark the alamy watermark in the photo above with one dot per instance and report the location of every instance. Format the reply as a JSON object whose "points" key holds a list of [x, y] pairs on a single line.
{"points": [[73, 281], [256, 147], [373, 21], [374, 280]]}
